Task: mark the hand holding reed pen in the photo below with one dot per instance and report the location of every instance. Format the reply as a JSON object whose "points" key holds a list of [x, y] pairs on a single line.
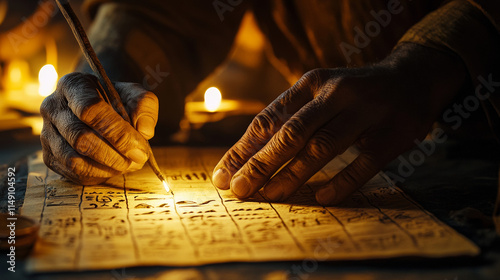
{"points": [[107, 90]]}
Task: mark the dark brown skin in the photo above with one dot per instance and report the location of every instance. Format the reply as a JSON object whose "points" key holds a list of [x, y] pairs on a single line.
{"points": [[84, 138], [381, 109]]}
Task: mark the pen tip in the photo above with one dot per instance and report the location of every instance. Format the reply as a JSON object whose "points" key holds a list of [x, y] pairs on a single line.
{"points": [[166, 186]]}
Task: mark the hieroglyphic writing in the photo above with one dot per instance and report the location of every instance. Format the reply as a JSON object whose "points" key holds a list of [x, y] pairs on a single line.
{"points": [[130, 220]]}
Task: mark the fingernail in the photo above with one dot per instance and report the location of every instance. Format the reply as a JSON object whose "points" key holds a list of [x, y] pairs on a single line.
{"points": [[134, 166], [137, 156], [325, 196], [240, 186], [146, 126], [273, 192], [221, 179]]}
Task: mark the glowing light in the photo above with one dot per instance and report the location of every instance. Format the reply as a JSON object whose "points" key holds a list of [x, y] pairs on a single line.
{"points": [[47, 77], [213, 99], [166, 186], [15, 75]]}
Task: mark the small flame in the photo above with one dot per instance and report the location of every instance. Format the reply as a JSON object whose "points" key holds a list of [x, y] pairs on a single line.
{"points": [[15, 74], [47, 77], [213, 99], [166, 186]]}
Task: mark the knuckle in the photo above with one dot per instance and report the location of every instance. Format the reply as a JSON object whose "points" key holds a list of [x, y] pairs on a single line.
{"points": [[123, 140], [80, 90], [235, 158], [291, 177], [81, 172], [92, 113], [48, 106], [258, 167], [76, 79], [67, 80], [47, 157], [312, 74], [133, 93], [111, 126], [107, 158], [323, 143], [46, 150], [83, 142], [291, 135], [55, 166], [130, 90], [89, 145], [118, 163], [278, 114], [75, 164], [262, 122], [313, 78], [45, 135], [262, 126]]}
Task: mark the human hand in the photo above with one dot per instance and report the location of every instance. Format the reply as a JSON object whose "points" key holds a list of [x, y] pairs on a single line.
{"points": [[381, 109], [85, 139]]}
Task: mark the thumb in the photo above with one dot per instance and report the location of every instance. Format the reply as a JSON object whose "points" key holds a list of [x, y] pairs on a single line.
{"points": [[146, 126], [142, 106]]}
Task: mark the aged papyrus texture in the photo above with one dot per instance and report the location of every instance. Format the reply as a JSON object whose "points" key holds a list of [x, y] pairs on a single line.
{"points": [[131, 221]]}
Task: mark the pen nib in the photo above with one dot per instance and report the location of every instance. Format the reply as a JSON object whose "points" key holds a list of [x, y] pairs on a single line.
{"points": [[166, 187]]}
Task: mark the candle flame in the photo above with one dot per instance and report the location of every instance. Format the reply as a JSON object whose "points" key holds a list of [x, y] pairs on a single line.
{"points": [[166, 186], [15, 74], [213, 99], [47, 77]]}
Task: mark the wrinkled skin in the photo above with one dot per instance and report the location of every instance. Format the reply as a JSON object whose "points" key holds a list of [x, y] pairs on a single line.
{"points": [[381, 109], [85, 139]]}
